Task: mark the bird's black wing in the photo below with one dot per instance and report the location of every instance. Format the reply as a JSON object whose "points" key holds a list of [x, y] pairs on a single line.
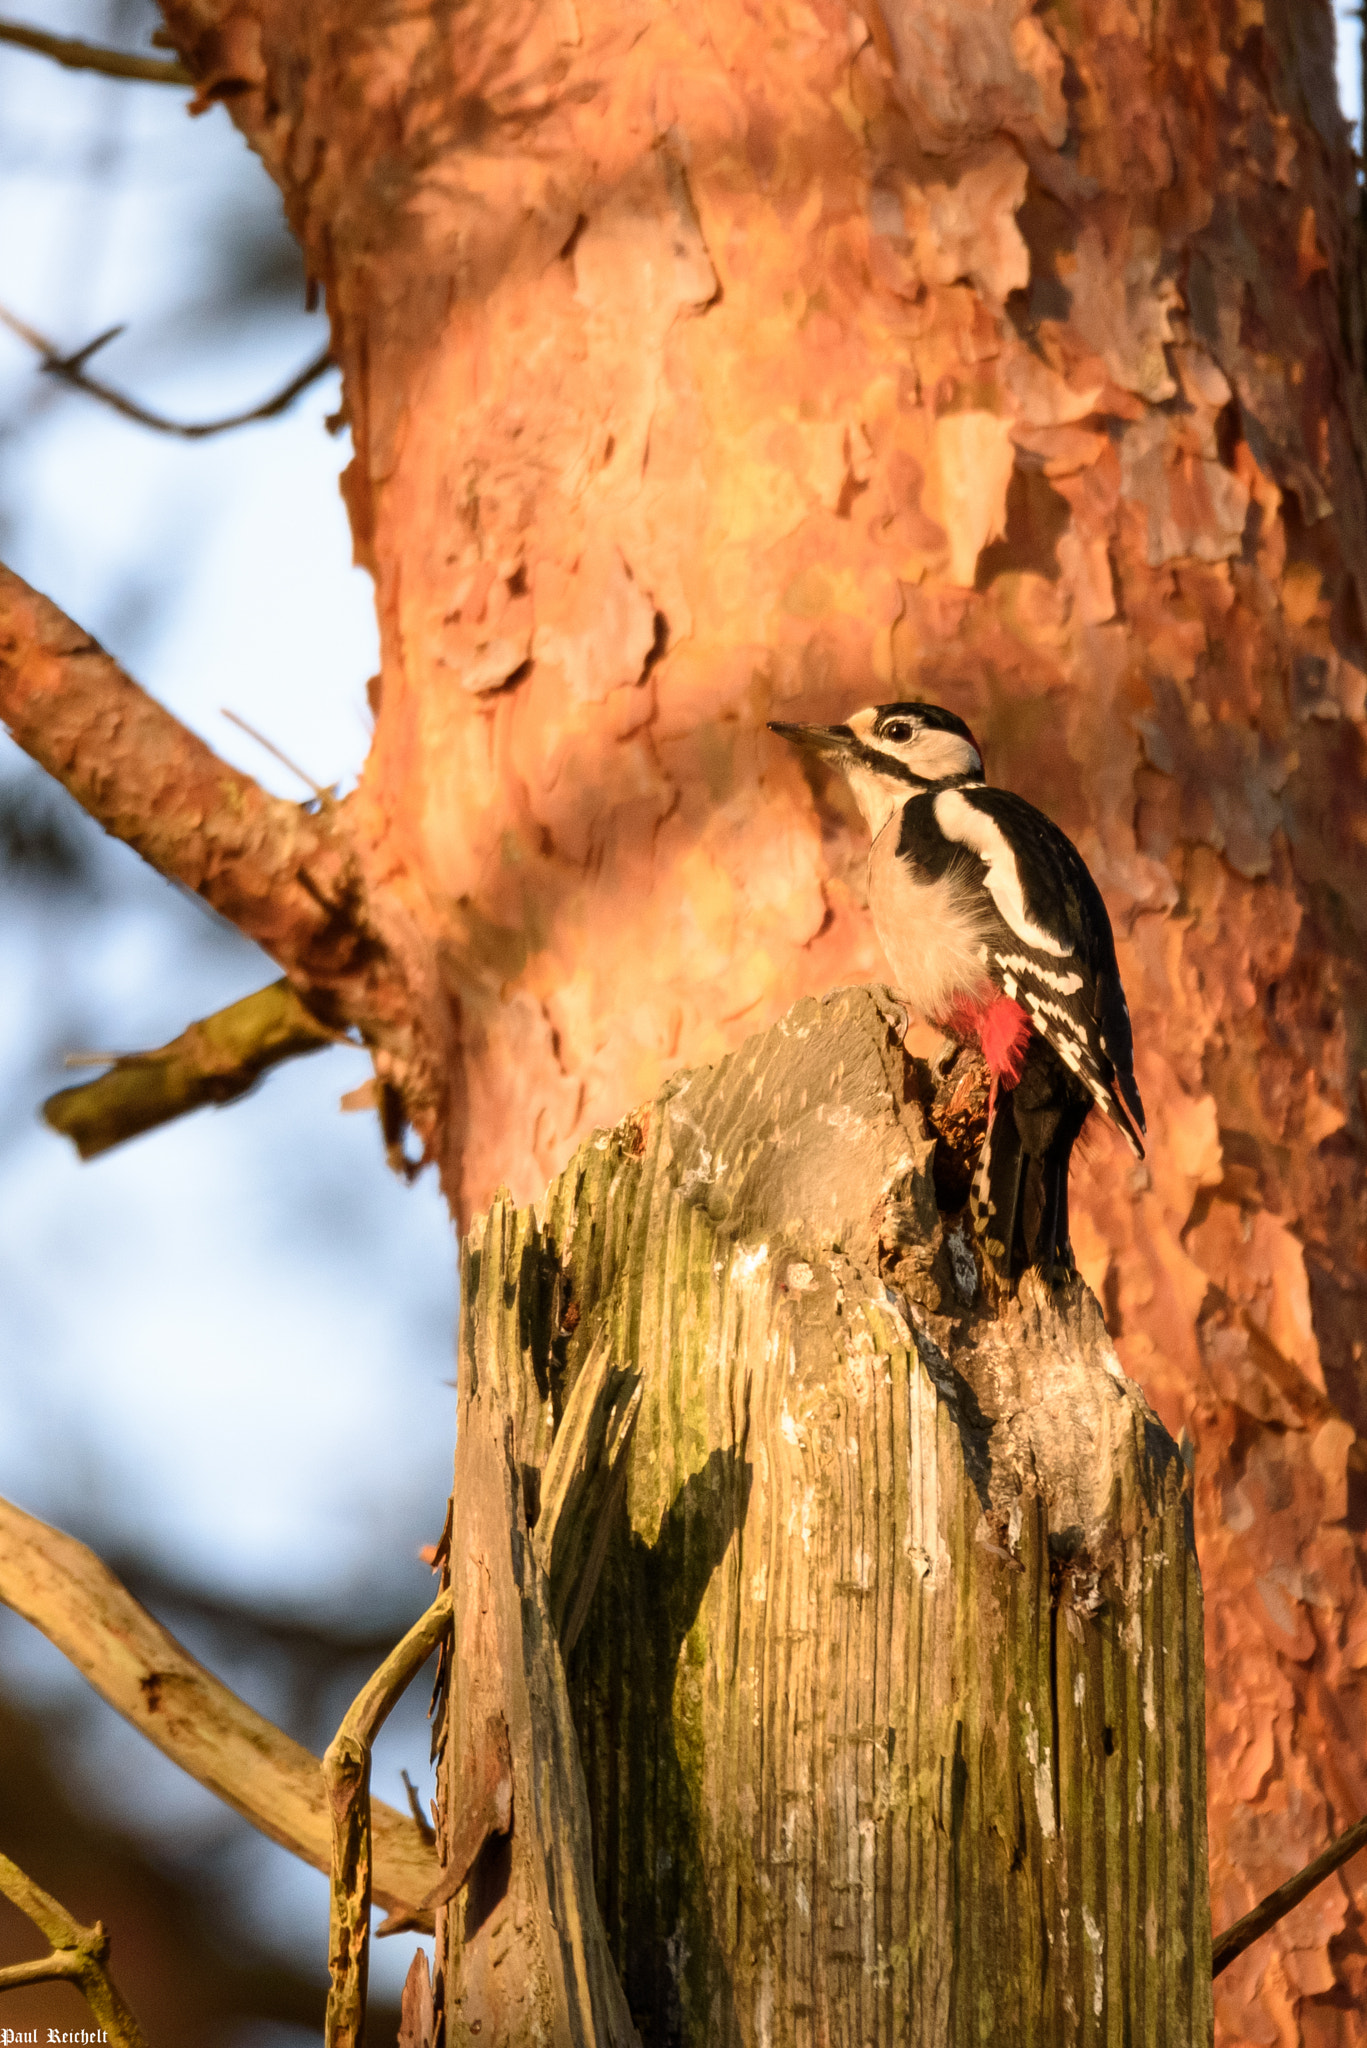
{"points": [[1048, 941]]}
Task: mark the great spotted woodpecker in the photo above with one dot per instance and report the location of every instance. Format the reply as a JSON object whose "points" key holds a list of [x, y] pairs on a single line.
{"points": [[994, 931]]}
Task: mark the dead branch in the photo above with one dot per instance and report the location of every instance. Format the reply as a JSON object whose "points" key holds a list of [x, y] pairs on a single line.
{"points": [[143, 1673], [429, 1833], [75, 55], [324, 793], [1278, 1904], [283, 875], [346, 1774], [216, 1060], [69, 369], [324, 1645], [79, 1955]]}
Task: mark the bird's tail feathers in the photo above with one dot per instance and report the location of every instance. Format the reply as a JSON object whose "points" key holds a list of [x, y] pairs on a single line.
{"points": [[995, 1198], [1119, 1100], [1129, 1093], [1018, 1203]]}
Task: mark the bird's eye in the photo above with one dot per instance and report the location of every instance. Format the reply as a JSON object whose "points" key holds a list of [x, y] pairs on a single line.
{"points": [[898, 731]]}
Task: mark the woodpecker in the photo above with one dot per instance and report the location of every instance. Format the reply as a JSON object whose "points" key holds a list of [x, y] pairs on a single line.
{"points": [[996, 933]]}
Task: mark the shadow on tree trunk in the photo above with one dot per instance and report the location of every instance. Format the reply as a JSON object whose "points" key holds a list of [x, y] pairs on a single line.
{"points": [[885, 1720], [641, 1789]]}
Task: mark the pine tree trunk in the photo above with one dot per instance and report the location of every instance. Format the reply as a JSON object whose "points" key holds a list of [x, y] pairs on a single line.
{"points": [[768, 357], [888, 1693]]}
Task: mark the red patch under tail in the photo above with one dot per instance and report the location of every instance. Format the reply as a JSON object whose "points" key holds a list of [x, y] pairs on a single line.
{"points": [[1000, 1027], [1004, 1034]]}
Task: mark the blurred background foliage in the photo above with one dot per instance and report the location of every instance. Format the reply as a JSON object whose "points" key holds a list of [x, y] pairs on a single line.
{"points": [[225, 1349]]}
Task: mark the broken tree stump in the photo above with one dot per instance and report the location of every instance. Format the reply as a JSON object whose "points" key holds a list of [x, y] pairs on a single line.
{"points": [[859, 1691]]}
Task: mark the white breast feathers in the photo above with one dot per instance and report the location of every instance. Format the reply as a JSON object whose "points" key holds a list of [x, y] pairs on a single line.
{"points": [[933, 933]]}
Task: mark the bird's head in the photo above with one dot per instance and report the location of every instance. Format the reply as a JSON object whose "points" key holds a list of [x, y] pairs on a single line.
{"points": [[892, 751]]}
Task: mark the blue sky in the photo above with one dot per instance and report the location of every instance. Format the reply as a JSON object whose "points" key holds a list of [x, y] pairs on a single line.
{"points": [[228, 1345]]}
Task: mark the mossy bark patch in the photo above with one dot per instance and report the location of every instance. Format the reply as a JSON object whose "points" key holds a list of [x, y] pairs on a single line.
{"points": [[888, 1695]]}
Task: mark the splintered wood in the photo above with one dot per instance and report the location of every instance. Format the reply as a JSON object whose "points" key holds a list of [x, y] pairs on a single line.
{"points": [[888, 1693]]}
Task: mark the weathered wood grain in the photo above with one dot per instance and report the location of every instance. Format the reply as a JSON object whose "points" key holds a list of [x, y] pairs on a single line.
{"points": [[521, 1951], [889, 1697]]}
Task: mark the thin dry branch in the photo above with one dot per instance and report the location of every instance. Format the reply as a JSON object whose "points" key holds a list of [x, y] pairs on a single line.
{"points": [[78, 56], [79, 1955], [214, 1061], [346, 1773], [1278, 1904], [287, 875], [132, 1662], [280, 873], [69, 369]]}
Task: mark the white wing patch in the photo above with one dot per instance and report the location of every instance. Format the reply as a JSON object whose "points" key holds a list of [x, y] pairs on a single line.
{"points": [[959, 820], [1062, 984], [1042, 1007], [1053, 1022]]}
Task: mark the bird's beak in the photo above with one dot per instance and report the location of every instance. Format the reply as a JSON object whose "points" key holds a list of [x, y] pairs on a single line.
{"points": [[833, 741]]}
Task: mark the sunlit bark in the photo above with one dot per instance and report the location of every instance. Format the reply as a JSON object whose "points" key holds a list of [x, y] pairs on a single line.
{"points": [[705, 363]]}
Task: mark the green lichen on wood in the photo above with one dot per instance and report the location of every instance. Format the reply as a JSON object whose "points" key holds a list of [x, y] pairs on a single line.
{"points": [[889, 1696]]}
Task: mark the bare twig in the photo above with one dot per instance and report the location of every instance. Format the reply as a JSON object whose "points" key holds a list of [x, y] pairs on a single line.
{"points": [[216, 1060], [346, 1774], [287, 875], [79, 56], [281, 874], [145, 1675], [79, 1955], [235, 718], [321, 1644], [70, 369], [429, 1833], [1278, 1904]]}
